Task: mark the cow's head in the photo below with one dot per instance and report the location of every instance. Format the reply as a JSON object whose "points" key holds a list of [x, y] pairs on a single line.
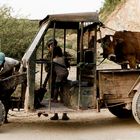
{"points": [[107, 43]]}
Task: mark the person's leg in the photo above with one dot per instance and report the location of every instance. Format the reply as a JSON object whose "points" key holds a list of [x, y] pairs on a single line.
{"points": [[65, 117], [46, 80], [61, 94], [53, 85], [56, 91], [55, 98], [55, 117]]}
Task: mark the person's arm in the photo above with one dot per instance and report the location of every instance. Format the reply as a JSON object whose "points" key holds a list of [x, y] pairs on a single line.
{"points": [[17, 66], [13, 63]]}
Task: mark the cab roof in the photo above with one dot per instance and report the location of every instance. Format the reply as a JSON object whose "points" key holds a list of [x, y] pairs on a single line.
{"points": [[70, 20]]}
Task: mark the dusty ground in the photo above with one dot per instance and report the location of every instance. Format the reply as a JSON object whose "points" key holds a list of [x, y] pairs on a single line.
{"points": [[82, 126]]}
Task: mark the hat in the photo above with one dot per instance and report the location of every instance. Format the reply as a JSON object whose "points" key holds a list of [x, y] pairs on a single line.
{"points": [[51, 41], [2, 57]]}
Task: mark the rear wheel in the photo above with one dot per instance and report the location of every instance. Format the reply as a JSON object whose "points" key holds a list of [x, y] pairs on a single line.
{"points": [[120, 111], [136, 106]]}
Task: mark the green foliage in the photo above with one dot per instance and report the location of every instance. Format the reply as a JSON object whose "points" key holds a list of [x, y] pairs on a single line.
{"points": [[69, 46], [15, 34], [108, 8]]}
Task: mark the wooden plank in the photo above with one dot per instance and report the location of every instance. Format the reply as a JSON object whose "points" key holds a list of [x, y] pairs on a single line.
{"points": [[29, 97], [116, 84]]}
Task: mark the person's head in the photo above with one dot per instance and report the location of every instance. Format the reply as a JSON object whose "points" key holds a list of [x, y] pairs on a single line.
{"points": [[2, 59], [51, 43], [57, 51]]}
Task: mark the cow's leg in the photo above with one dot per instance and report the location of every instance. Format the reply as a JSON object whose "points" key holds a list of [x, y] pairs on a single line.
{"points": [[124, 66], [132, 65], [138, 67], [132, 61]]}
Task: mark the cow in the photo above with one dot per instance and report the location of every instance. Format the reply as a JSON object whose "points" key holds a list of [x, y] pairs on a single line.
{"points": [[123, 47]]}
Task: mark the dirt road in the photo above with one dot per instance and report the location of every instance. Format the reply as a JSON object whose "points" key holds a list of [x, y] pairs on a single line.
{"points": [[86, 126]]}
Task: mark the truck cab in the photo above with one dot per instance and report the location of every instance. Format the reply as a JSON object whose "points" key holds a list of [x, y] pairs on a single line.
{"points": [[80, 91]]}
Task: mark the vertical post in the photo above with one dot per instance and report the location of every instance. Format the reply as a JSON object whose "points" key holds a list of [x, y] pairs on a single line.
{"points": [[0, 45], [29, 97], [81, 42], [51, 68], [64, 41], [81, 59], [88, 37], [95, 97], [42, 52]]}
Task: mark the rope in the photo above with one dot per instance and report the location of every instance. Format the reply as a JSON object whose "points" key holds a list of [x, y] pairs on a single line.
{"points": [[103, 26], [114, 105], [101, 62]]}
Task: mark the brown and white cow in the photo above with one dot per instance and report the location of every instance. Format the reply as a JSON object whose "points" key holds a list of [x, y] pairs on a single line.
{"points": [[123, 46]]}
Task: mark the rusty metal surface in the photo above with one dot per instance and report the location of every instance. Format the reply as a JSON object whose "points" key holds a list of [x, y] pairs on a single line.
{"points": [[72, 17]]}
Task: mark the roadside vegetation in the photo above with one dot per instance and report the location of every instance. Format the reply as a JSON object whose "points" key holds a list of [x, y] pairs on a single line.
{"points": [[17, 33], [108, 7]]}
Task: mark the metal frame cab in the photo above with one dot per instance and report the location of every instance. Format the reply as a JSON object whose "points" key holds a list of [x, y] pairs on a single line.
{"points": [[80, 92]]}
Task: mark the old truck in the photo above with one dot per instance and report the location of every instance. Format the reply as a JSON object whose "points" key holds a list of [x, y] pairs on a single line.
{"points": [[91, 89]]}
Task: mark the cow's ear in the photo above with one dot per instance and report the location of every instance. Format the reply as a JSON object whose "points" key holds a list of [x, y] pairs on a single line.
{"points": [[111, 38]]}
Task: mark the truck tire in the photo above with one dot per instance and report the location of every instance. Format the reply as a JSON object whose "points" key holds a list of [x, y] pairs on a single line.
{"points": [[120, 111], [136, 106], [2, 113]]}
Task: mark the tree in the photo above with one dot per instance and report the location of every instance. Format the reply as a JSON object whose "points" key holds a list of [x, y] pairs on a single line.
{"points": [[15, 34]]}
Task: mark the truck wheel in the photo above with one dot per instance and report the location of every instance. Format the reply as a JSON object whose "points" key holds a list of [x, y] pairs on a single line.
{"points": [[2, 113], [120, 111], [136, 106]]}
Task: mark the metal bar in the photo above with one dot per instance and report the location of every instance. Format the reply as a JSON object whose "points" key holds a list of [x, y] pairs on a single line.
{"points": [[34, 44], [81, 59], [64, 41], [42, 52], [51, 68], [95, 94], [81, 42]]}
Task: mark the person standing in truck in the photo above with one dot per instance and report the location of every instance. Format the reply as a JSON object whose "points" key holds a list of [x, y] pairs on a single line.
{"points": [[59, 71]]}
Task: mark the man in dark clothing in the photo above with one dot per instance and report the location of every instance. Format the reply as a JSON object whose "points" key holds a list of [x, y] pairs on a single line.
{"points": [[8, 67], [51, 44]]}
